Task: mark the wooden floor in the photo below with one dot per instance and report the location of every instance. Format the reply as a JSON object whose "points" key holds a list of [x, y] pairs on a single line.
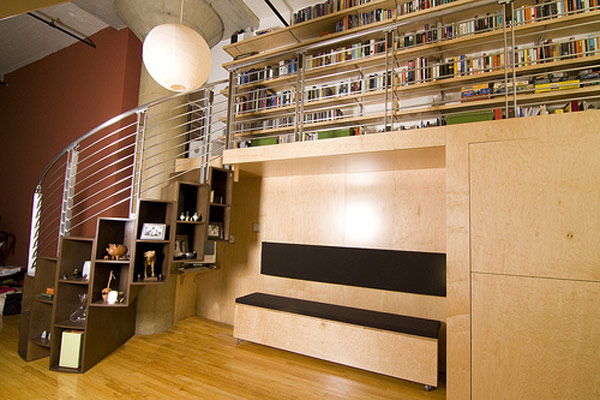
{"points": [[196, 359]]}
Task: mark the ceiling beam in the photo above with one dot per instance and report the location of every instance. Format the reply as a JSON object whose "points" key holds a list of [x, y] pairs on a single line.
{"points": [[10, 8]]}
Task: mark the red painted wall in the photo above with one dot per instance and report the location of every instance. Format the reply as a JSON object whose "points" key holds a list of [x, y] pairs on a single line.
{"points": [[52, 102]]}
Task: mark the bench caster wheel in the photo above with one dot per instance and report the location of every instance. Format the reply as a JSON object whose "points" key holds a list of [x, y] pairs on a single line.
{"points": [[238, 341], [428, 388]]}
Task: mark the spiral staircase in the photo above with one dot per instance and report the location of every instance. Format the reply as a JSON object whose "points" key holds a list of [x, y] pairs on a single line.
{"points": [[131, 156], [135, 158]]}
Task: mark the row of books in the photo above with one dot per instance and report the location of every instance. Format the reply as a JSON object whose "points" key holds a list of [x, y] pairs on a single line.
{"points": [[552, 9], [284, 67], [373, 82], [324, 8], [265, 124], [322, 116], [422, 69], [418, 5], [356, 20], [264, 99], [434, 33], [354, 51]]}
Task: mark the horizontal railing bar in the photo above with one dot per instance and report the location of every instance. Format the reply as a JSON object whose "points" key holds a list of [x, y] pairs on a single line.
{"points": [[99, 202], [108, 156], [110, 175], [99, 213], [116, 119], [105, 167], [128, 177], [108, 136], [100, 150]]}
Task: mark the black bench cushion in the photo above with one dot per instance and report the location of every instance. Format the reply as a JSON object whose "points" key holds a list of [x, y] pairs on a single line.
{"points": [[373, 319]]}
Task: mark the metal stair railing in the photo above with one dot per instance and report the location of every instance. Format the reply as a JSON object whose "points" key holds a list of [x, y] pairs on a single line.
{"points": [[131, 156]]}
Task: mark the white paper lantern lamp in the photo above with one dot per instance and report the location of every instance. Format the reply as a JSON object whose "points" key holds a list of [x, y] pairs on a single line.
{"points": [[177, 57]]}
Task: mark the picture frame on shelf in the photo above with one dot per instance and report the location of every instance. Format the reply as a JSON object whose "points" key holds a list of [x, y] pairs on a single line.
{"points": [[215, 230], [180, 246], [151, 231]]}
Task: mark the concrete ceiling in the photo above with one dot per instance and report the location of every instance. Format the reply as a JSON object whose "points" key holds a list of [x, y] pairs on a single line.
{"points": [[23, 39]]}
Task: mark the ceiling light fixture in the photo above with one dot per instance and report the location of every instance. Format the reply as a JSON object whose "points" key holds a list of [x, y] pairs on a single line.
{"points": [[177, 56]]}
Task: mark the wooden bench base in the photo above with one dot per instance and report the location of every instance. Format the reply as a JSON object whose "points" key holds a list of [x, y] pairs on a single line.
{"points": [[400, 355]]}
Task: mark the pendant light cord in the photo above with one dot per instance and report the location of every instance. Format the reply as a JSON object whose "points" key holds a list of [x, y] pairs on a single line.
{"points": [[181, 13]]}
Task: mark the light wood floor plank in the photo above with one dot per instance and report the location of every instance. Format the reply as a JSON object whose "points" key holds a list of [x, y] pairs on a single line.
{"points": [[196, 359]]}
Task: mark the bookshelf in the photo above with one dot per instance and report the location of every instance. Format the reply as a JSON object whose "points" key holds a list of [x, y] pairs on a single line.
{"points": [[419, 68]]}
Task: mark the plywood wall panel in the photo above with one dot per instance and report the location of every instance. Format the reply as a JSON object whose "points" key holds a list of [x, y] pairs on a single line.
{"points": [[535, 207], [535, 338], [406, 211]]}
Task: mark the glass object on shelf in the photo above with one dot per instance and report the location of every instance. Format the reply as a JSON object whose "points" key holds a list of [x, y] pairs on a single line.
{"points": [[80, 314]]}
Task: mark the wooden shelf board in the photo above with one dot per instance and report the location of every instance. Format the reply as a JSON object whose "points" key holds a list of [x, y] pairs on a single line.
{"points": [[43, 300], [261, 113], [51, 259], [41, 342], [525, 29], [299, 32], [78, 238], [73, 282], [193, 270], [343, 99], [288, 78], [345, 66], [100, 303], [68, 324], [103, 261], [220, 205], [190, 222], [500, 101], [330, 123], [146, 283], [151, 241], [384, 151]]}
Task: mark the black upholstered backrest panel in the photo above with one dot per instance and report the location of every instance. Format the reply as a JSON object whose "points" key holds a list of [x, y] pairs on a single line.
{"points": [[401, 271]]}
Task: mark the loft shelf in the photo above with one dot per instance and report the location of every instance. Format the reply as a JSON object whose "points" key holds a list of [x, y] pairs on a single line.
{"points": [[349, 154], [301, 32]]}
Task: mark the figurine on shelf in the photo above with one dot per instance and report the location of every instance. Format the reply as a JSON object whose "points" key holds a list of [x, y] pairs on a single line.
{"points": [[187, 215], [182, 216], [116, 252], [196, 217], [80, 314], [106, 291], [149, 261]]}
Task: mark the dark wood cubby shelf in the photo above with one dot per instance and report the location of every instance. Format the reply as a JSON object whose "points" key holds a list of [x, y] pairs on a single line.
{"points": [[102, 304], [190, 222], [152, 241], [73, 282], [43, 300], [41, 342], [113, 261], [68, 324]]}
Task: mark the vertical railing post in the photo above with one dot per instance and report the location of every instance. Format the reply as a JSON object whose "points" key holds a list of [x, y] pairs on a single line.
{"points": [[66, 209], [34, 235], [138, 157], [229, 134], [209, 97]]}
